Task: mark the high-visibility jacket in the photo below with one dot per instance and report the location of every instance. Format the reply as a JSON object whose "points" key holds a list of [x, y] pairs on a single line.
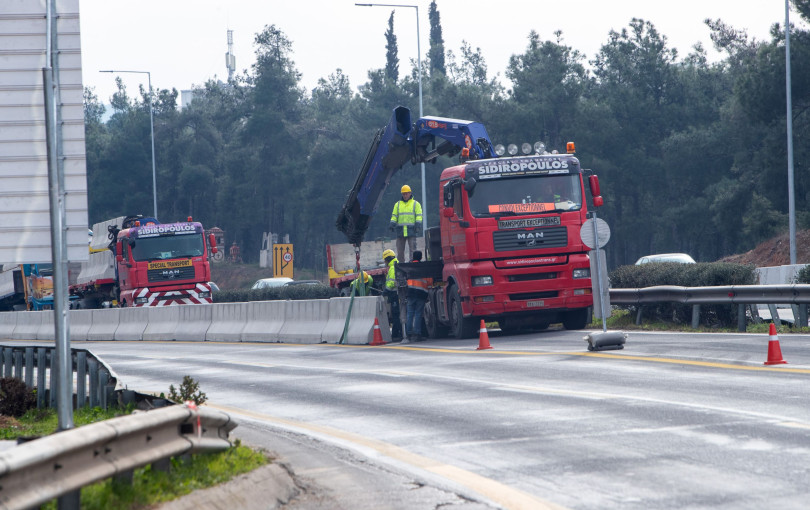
{"points": [[361, 288], [390, 278], [407, 214], [420, 284]]}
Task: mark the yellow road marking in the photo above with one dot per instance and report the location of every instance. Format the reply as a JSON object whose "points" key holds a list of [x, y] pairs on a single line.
{"points": [[497, 492]]}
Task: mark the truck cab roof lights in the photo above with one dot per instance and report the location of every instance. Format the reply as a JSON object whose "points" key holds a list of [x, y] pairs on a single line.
{"points": [[539, 147], [526, 148], [512, 149], [569, 147], [500, 150]]}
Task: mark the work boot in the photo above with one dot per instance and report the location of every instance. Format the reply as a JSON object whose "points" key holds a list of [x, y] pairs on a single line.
{"points": [[404, 341]]}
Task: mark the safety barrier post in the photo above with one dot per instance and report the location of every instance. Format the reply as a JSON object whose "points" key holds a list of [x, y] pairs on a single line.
{"points": [[741, 319], [81, 379], [42, 363], [94, 393], [638, 315], [695, 316], [29, 367], [8, 364]]}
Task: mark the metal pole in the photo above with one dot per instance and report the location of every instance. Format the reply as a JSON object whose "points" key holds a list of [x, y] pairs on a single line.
{"points": [[599, 274], [419, 64], [789, 118], [152, 129], [419, 71], [56, 180]]}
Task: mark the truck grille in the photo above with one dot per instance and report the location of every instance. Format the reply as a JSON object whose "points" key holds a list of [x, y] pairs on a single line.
{"points": [[165, 275], [534, 295], [534, 239]]}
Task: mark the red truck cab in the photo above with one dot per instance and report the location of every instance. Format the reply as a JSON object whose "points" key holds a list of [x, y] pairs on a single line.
{"points": [[510, 246]]}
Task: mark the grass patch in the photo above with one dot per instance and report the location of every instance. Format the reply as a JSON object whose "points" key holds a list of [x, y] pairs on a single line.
{"points": [[626, 320], [149, 487]]}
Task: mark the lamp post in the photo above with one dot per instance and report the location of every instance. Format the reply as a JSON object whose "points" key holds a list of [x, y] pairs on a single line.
{"points": [[419, 65], [152, 128], [789, 119]]}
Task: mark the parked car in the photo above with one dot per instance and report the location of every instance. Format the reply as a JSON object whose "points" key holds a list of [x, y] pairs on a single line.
{"points": [[683, 258], [266, 283], [303, 282]]}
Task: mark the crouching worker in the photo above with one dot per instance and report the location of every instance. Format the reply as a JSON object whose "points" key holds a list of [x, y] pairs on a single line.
{"points": [[390, 294]]}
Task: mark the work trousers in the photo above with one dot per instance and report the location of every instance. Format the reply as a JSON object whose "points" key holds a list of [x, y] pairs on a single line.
{"points": [[401, 248], [416, 308]]}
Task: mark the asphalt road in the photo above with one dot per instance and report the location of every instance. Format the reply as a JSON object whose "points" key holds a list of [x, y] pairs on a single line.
{"points": [[672, 421]]}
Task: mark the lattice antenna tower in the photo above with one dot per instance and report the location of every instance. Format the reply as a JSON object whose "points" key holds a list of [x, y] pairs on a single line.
{"points": [[230, 59]]}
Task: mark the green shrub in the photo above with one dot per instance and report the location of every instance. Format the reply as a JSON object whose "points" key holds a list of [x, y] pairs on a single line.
{"points": [[189, 390], [15, 397], [803, 276], [710, 274], [294, 292]]}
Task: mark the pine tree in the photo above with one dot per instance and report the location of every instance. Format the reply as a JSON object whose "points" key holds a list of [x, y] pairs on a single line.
{"points": [[436, 52], [391, 59]]}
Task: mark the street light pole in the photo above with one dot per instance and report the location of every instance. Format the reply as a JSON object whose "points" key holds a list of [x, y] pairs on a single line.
{"points": [[419, 71], [789, 118], [152, 129]]}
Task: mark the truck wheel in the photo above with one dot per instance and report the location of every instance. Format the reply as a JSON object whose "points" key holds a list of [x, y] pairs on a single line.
{"points": [[460, 326], [432, 326], [576, 319]]}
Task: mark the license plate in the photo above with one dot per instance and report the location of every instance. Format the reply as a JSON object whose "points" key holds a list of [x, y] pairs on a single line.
{"points": [[535, 304]]}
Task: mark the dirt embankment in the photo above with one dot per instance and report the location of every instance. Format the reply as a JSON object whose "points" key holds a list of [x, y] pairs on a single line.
{"points": [[775, 251]]}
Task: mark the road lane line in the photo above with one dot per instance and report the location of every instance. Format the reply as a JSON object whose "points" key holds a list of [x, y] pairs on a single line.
{"points": [[508, 497]]}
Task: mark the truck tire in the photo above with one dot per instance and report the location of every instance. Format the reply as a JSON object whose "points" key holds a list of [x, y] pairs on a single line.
{"points": [[433, 328], [575, 319], [460, 326]]}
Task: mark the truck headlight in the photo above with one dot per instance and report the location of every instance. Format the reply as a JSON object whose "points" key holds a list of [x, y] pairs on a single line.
{"points": [[141, 301], [582, 273], [205, 294], [478, 281]]}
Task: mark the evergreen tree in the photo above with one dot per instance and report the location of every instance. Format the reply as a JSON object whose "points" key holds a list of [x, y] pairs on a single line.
{"points": [[391, 58], [436, 52]]}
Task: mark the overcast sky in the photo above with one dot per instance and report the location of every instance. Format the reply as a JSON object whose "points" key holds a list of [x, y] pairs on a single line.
{"points": [[183, 42]]}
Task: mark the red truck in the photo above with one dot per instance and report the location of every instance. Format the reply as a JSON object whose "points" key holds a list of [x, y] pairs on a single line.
{"points": [[507, 247], [138, 261]]}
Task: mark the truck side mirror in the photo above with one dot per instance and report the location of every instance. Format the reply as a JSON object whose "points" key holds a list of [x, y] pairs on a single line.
{"points": [[593, 182], [447, 191], [119, 252], [469, 184], [213, 242]]}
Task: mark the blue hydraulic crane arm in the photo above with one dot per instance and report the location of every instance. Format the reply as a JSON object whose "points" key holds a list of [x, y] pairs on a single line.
{"points": [[393, 145]]}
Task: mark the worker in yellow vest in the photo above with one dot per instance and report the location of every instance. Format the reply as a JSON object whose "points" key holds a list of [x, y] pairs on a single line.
{"points": [[406, 221]]}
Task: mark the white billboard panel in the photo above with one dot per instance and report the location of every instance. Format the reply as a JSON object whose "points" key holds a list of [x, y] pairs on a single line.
{"points": [[25, 235]]}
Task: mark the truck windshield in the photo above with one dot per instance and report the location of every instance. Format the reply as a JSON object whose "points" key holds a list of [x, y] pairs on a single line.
{"points": [[526, 195], [167, 247]]}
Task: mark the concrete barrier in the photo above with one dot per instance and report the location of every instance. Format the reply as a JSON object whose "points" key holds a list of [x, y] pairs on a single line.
{"points": [[264, 321], [132, 323], [103, 324], [194, 323], [45, 330], [80, 323], [361, 324], [28, 324], [305, 321], [227, 322], [8, 321], [161, 323]]}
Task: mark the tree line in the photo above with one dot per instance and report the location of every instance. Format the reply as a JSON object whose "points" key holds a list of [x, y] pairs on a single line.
{"points": [[691, 154]]}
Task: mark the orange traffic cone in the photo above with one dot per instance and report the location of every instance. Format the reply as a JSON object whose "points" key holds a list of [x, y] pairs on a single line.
{"points": [[774, 351], [483, 337], [377, 340]]}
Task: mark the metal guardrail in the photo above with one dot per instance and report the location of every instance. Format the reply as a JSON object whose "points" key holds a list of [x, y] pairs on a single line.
{"points": [[42, 470], [95, 382], [740, 295]]}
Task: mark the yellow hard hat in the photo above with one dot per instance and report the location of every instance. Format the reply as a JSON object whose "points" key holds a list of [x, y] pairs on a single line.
{"points": [[389, 253], [366, 277], [405, 189]]}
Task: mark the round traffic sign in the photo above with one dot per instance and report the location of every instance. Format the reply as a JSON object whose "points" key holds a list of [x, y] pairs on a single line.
{"points": [[602, 232], [287, 257]]}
